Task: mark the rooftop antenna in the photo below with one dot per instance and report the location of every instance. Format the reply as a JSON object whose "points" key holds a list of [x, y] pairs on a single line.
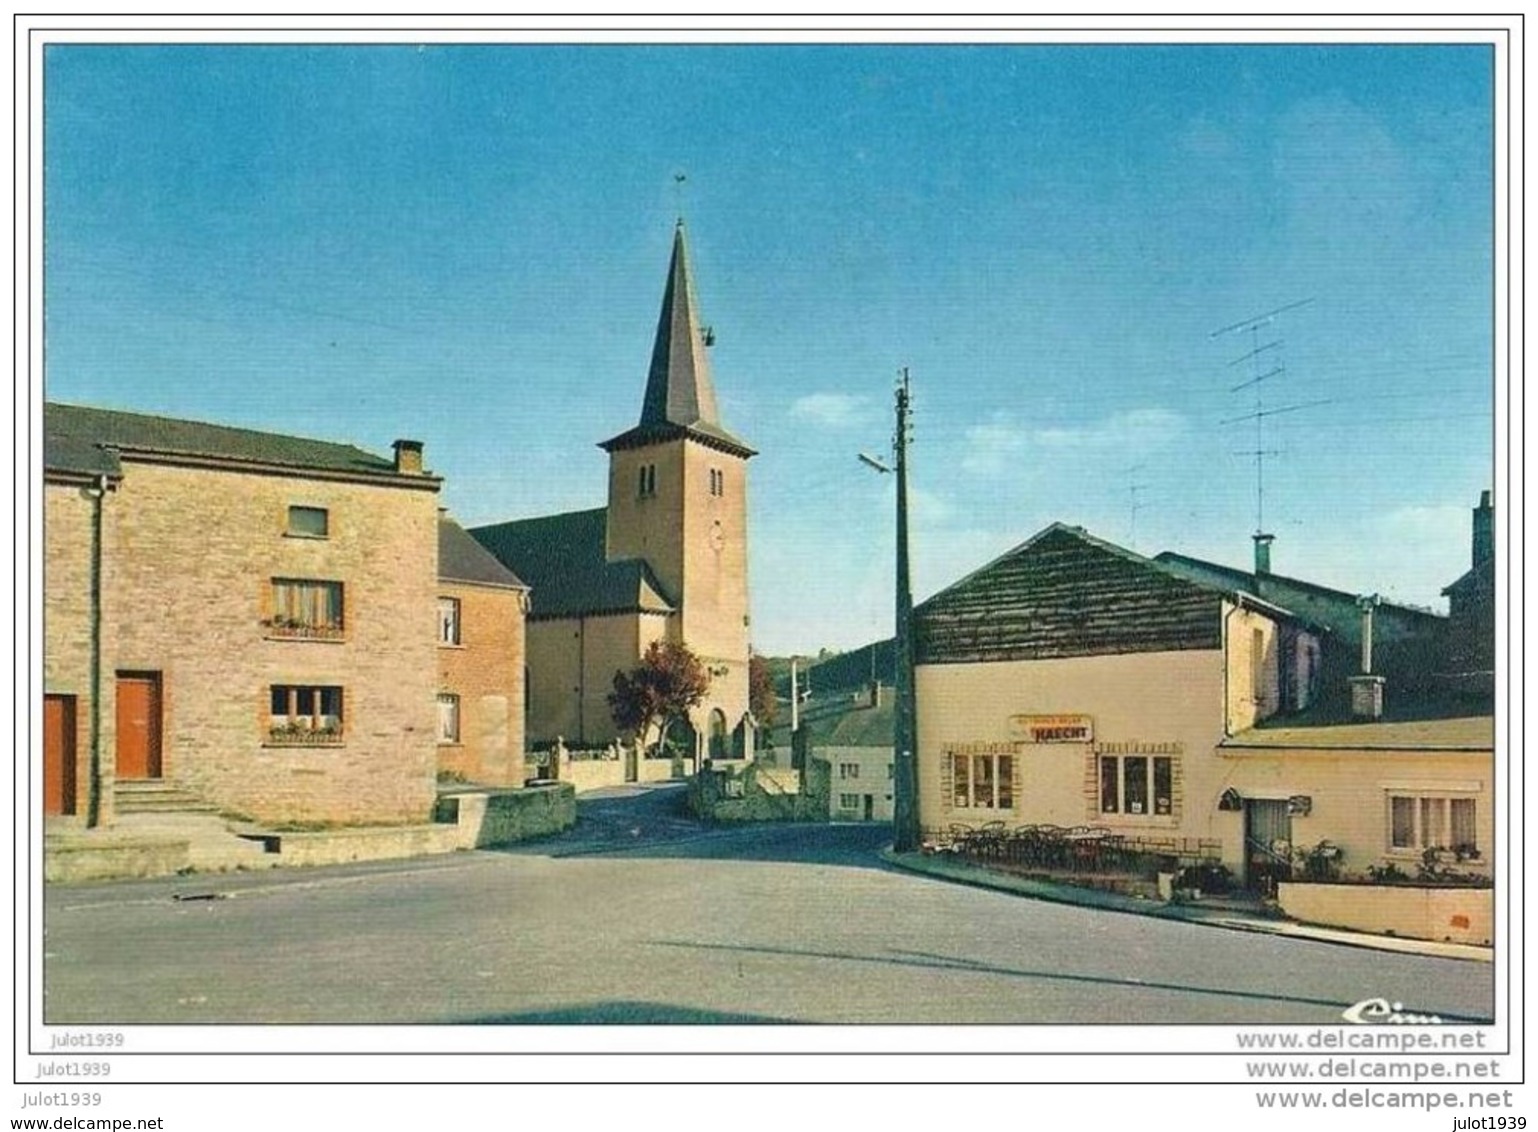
{"points": [[1134, 506], [1265, 361]]}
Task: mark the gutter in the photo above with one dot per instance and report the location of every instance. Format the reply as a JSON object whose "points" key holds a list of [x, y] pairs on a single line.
{"points": [[97, 491]]}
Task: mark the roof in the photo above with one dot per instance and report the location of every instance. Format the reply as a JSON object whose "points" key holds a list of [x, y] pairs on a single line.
{"points": [[1481, 577], [563, 559], [1064, 592], [1202, 570], [680, 398], [1457, 733], [462, 559], [70, 432]]}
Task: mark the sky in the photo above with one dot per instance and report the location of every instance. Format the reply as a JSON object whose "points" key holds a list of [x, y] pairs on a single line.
{"points": [[467, 245]]}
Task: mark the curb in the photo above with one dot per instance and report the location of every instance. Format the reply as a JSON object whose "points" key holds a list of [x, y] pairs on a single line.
{"points": [[1213, 918]]}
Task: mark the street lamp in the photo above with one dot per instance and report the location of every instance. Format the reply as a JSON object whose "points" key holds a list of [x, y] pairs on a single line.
{"points": [[905, 816]]}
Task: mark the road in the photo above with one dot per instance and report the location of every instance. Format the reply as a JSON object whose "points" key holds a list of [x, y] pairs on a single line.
{"points": [[641, 915]]}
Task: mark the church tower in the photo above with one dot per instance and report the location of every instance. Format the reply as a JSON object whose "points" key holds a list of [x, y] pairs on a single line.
{"points": [[678, 502]]}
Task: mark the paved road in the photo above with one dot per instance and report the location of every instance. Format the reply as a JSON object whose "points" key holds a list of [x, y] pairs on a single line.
{"points": [[640, 915]]}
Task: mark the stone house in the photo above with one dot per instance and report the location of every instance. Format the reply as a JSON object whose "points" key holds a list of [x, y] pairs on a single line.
{"points": [[666, 559], [239, 618], [480, 634], [1074, 683]]}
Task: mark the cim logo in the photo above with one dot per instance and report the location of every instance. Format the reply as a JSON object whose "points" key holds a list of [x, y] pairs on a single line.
{"points": [[1380, 1011]]}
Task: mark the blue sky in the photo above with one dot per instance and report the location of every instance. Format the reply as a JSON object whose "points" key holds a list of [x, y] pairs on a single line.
{"points": [[467, 245]]}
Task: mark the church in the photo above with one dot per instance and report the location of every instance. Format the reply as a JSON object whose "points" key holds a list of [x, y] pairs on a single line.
{"points": [[665, 560]]}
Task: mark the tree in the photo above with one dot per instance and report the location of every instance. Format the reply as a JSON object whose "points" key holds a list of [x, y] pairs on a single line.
{"points": [[669, 680], [761, 701]]}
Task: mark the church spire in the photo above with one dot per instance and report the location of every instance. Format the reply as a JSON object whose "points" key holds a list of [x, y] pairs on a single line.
{"points": [[678, 387], [680, 397]]}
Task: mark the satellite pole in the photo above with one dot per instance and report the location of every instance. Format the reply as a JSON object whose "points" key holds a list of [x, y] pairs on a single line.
{"points": [[1133, 487]]}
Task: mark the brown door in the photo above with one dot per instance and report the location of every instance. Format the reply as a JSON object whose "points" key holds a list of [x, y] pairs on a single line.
{"points": [[138, 725], [58, 754]]}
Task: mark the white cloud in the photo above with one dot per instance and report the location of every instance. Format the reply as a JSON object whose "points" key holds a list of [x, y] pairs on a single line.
{"points": [[992, 447], [830, 410], [1137, 430]]}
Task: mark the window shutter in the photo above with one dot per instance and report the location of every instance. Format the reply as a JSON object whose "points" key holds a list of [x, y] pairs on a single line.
{"points": [[947, 782]]}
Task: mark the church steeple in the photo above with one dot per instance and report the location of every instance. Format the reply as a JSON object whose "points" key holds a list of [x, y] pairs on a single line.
{"points": [[680, 397], [678, 388]]}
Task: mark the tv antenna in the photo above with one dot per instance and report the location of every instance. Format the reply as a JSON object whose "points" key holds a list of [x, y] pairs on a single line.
{"points": [[1133, 504], [1264, 361]]}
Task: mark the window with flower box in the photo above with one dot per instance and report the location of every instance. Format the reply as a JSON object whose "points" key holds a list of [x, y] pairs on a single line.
{"points": [[306, 609], [305, 715], [1419, 822]]}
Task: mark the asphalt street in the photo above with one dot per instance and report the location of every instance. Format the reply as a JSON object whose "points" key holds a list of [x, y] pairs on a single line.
{"points": [[641, 915]]}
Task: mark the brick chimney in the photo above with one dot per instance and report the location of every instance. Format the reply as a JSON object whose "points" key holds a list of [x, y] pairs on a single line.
{"points": [[1367, 689], [408, 457], [1484, 530]]}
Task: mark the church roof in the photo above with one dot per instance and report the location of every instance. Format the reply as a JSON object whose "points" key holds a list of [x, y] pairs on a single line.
{"points": [[563, 560], [680, 398], [462, 559]]}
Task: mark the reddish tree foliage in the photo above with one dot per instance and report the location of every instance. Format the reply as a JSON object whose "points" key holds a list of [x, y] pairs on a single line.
{"points": [[669, 680], [761, 701]]}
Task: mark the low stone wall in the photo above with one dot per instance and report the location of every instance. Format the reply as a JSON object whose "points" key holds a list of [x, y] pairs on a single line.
{"points": [[596, 774], [748, 792], [1457, 915], [77, 860], [366, 843], [482, 819]]}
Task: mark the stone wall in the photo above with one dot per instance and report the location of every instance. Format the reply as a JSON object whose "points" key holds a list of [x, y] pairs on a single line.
{"points": [[191, 557], [67, 510]]}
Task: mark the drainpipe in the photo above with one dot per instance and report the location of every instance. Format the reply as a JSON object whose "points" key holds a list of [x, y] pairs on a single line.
{"points": [[97, 491]]}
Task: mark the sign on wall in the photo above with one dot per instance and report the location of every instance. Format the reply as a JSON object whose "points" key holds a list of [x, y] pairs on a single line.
{"points": [[1052, 728]]}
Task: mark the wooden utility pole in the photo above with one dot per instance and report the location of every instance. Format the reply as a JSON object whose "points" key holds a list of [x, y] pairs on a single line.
{"points": [[905, 814]]}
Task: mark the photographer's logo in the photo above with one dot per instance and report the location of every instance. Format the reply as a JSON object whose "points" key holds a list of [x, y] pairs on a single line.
{"points": [[1380, 1011]]}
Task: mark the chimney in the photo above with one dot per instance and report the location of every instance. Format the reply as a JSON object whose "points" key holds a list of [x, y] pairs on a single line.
{"points": [[1367, 689], [408, 457], [1484, 530], [1263, 552]]}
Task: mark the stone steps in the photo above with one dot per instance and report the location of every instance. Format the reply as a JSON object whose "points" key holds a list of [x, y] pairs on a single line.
{"points": [[157, 796]]}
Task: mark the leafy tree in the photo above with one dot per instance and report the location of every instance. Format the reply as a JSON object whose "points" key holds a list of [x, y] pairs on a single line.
{"points": [[761, 701], [669, 680]]}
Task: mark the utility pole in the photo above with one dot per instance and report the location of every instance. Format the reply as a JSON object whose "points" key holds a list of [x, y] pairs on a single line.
{"points": [[905, 779]]}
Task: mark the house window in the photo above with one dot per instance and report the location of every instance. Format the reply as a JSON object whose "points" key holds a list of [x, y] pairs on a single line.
{"points": [[646, 486], [306, 610], [849, 770], [1418, 823], [1137, 785], [982, 781], [448, 621], [849, 801], [448, 718], [309, 522], [304, 715]]}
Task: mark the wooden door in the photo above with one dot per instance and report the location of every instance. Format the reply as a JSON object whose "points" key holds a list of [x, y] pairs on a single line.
{"points": [[138, 725], [58, 754], [1267, 843]]}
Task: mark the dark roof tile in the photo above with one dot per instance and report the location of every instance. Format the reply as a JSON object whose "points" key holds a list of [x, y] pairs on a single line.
{"points": [[462, 559]]}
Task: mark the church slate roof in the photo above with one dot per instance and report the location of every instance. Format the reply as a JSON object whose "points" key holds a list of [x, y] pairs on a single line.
{"points": [[563, 560], [71, 431], [680, 398], [1065, 593], [462, 559]]}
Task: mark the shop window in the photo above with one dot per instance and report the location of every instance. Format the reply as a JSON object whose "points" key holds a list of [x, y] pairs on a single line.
{"points": [[982, 781], [1137, 785]]}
